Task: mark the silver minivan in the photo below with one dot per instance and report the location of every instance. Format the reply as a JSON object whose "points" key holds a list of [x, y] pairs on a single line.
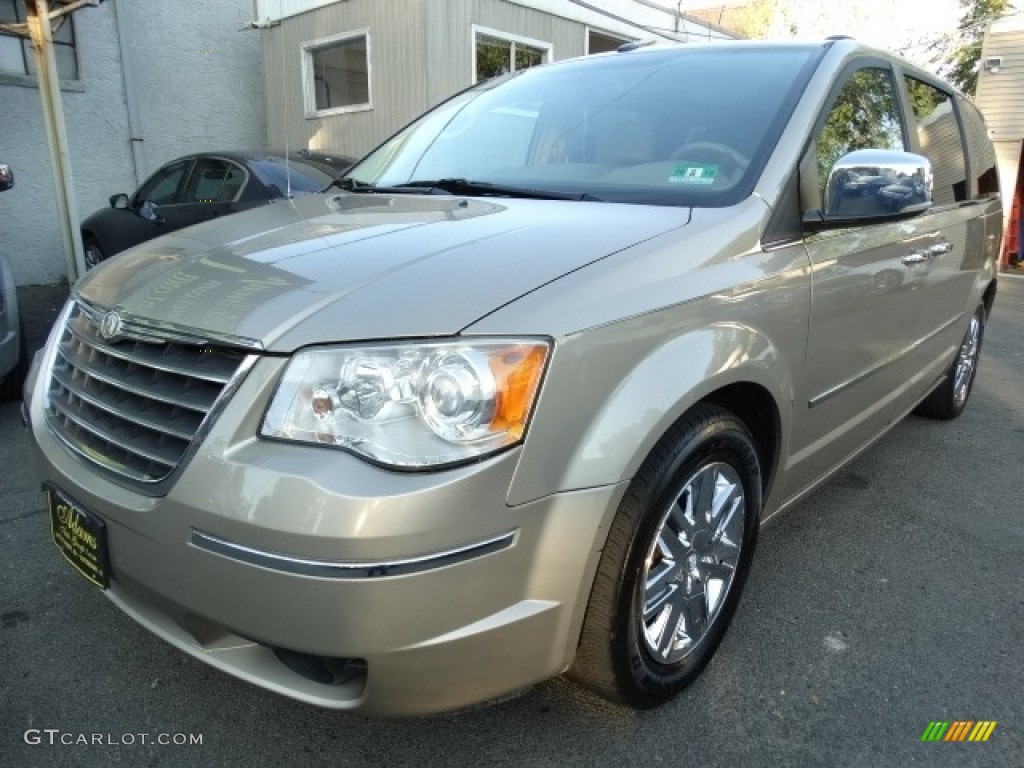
{"points": [[513, 398]]}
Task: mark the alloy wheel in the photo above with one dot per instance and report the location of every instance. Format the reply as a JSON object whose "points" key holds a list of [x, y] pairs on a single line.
{"points": [[967, 362], [692, 562]]}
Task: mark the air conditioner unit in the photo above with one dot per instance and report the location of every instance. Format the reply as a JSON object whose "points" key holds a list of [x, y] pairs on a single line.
{"points": [[993, 63]]}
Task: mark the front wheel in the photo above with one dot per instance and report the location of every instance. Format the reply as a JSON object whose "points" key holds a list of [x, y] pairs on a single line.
{"points": [[92, 252], [675, 562], [948, 400]]}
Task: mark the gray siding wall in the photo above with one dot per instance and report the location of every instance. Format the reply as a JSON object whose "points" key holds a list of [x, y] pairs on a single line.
{"points": [[198, 85], [1000, 96], [421, 52], [398, 79], [450, 52]]}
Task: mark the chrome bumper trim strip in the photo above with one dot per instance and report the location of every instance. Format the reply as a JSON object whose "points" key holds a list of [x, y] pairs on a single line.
{"points": [[326, 569]]}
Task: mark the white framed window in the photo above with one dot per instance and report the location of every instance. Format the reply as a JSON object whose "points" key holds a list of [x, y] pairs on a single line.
{"points": [[336, 74], [498, 53], [603, 42]]}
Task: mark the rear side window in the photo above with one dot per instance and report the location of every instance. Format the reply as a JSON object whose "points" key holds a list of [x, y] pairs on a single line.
{"points": [[982, 155], [214, 181], [939, 138], [302, 177]]}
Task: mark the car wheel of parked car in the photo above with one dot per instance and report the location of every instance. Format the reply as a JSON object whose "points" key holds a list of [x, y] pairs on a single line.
{"points": [[93, 252], [10, 385], [675, 561], [948, 400]]}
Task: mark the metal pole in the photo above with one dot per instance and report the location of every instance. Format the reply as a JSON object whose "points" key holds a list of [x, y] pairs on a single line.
{"points": [[123, 23], [53, 117]]}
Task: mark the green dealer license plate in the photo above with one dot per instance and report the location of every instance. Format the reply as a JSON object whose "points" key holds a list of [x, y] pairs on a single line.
{"points": [[80, 536]]}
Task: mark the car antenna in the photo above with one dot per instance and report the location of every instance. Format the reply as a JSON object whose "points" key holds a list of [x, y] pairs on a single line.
{"points": [[284, 94]]}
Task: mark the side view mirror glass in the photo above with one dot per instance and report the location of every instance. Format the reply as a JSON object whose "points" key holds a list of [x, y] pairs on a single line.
{"points": [[875, 184], [119, 200], [6, 177], [148, 211]]}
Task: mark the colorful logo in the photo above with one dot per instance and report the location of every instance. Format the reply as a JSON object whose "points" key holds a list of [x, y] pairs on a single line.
{"points": [[958, 730]]}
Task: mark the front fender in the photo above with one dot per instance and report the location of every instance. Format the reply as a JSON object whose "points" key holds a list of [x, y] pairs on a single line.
{"points": [[595, 427]]}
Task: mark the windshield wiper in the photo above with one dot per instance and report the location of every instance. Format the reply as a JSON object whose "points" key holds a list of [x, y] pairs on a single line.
{"points": [[470, 187], [458, 187], [349, 184]]}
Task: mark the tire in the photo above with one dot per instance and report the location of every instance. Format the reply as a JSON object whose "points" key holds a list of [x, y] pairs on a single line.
{"points": [[93, 253], [10, 385], [627, 652], [948, 400]]}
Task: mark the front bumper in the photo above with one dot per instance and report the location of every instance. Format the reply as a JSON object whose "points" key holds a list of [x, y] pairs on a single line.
{"points": [[438, 591]]}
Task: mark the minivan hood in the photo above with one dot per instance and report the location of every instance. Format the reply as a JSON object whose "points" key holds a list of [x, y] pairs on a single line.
{"points": [[345, 267]]}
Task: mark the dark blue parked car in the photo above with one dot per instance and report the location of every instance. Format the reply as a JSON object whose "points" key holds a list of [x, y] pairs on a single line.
{"points": [[200, 187]]}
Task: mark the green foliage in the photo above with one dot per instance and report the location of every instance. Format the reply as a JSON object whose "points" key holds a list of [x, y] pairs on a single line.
{"points": [[492, 59], [752, 20], [924, 98], [961, 66]]}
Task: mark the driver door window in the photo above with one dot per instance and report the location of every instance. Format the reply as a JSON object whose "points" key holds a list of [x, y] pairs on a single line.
{"points": [[864, 115], [162, 187]]}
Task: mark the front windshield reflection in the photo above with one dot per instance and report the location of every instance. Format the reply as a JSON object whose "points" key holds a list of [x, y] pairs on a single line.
{"points": [[686, 126]]}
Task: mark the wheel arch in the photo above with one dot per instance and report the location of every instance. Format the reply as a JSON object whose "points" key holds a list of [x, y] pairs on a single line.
{"points": [[90, 234], [988, 298], [755, 406]]}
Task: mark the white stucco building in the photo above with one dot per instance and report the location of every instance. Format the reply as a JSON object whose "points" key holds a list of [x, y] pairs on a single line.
{"points": [[142, 82]]}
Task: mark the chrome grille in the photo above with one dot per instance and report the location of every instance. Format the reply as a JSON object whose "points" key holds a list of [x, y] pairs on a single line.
{"points": [[133, 404]]}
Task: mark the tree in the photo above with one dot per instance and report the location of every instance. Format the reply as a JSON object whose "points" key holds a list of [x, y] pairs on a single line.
{"points": [[752, 20], [961, 64]]}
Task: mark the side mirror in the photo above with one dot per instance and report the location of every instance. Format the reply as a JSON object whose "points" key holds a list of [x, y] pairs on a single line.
{"points": [[871, 185], [148, 211], [120, 200], [6, 177]]}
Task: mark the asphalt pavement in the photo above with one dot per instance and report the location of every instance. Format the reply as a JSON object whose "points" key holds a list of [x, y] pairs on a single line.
{"points": [[892, 597]]}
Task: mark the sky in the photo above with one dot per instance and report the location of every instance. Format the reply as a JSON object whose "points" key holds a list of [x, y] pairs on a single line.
{"points": [[908, 27]]}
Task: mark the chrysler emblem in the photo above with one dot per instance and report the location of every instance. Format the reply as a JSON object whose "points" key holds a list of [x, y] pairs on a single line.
{"points": [[111, 324]]}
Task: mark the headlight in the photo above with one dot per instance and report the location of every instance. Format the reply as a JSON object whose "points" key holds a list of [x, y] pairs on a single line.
{"points": [[411, 404]]}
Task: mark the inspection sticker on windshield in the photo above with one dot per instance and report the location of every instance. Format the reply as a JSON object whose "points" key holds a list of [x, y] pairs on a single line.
{"points": [[693, 173]]}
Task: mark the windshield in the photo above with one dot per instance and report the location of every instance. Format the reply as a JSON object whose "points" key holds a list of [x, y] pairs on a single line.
{"points": [[686, 126]]}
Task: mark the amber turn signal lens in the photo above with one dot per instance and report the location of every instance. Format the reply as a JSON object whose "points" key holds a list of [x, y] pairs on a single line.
{"points": [[517, 373]]}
